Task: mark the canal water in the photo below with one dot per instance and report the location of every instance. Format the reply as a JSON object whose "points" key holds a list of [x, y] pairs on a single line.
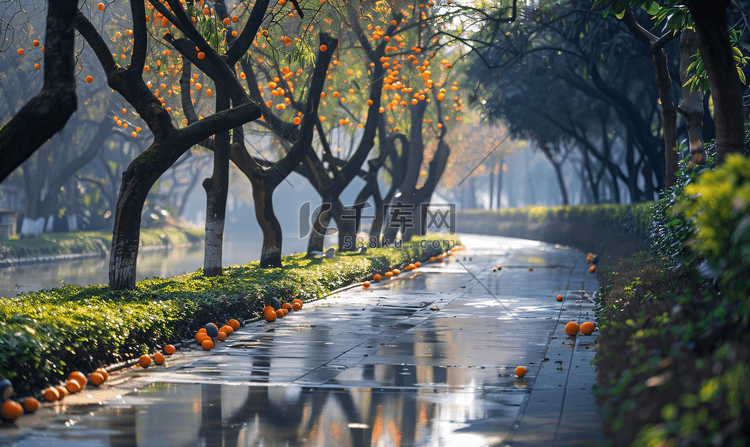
{"points": [[165, 263]]}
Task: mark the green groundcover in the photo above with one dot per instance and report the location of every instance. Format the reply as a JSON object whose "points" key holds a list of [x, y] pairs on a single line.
{"points": [[44, 335]]}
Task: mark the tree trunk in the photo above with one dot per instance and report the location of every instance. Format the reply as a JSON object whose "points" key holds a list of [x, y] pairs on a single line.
{"points": [[669, 116], [217, 188], [127, 226], [321, 220], [270, 255], [46, 113], [710, 18], [692, 102]]}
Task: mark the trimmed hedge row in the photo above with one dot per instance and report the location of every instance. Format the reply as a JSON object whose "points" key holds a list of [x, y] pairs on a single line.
{"points": [[45, 334], [86, 241]]}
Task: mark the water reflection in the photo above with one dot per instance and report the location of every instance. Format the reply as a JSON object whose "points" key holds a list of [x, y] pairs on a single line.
{"points": [[159, 262], [166, 414]]}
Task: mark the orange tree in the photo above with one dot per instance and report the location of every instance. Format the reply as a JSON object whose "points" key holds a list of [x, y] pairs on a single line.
{"points": [[46, 113], [170, 142]]}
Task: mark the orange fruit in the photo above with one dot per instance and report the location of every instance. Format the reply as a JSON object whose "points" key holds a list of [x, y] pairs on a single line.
{"points": [[234, 324], [388, 274], [200, 336], [73, 386], [286, 306], [62, 391], [411, 267], [207, 345], [270, 316], [269, 308], [201, 55], [499, 267], [51, 394], [297, 300], [169, 349], [365, 284], [30, 404], [11, 410], [286, 311], [396, 272], [432, 259], [202, 331], [571, 328], [323, 48], [520, 371], [377, 277], [587, 328], [531, 269], [418, 264], [96, 379], [103, 373], [78, 375], [222, 336], [280, 313], [559, 297], [228, 330], [144, 361], [100, 6], [159, 358], [592, 269], [89, 79], [296, 306]]}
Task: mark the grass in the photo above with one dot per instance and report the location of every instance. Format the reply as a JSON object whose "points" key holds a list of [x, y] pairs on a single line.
{"points": [[87, 241], [49, 333]]}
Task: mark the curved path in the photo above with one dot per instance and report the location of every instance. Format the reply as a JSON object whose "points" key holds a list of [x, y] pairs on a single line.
{"points": [[425, 359]]}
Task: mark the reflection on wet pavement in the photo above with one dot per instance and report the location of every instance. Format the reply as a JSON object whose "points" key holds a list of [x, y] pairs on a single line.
{"points": [[425, 359]]}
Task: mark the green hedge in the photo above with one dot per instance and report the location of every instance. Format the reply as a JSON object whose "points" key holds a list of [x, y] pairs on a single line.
{"points": [[86, 241], [49, 333]]}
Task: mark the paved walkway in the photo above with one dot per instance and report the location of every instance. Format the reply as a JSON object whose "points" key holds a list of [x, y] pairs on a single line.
{"points": [[425, 359]]}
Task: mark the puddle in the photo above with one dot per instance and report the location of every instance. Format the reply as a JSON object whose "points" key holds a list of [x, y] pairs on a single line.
{"points": [[164, 414]]}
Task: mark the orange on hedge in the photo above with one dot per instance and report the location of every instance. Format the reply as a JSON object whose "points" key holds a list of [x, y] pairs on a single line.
{"points": [[234, 324], [296, 306], [144, 361], [559, 297], [571, 328], [270, 316], [280, 313], [30, 404], [520, 371], [388, 274], [587, 328], [78, 375], [96, 379], [169, 349], [207, 344], [11, 410], [159, 358], [592, 269], [51, 394], [103, 373], [377, 277], [365, 284], [222, 336], [73, 386]]}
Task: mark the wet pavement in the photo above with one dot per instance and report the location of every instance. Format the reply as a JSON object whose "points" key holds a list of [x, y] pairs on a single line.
{"points": [[425, 359]]}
